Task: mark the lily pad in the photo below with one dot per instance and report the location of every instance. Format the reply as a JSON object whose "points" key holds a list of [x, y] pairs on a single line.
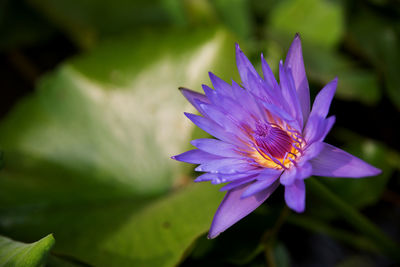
{"points": [[87, 157], [14, 253]]}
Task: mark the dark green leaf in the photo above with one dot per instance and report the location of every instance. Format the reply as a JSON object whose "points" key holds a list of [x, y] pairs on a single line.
{"points": [[377, 39], [366, 191], [355, 83], [89, 20], [20, 25]]}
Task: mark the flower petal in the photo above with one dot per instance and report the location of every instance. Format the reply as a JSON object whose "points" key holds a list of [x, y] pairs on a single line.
{"points": [[323, 100], [288, 176], [269, 77], [247, 101], [211, 127], [294, 62], [311, 151], [224, 120], [237, 176], [192, 96], [216, 147], [244, 66], [317, 128], [299, 172], [304, 171], [295, 196], [289, 93], [334, 162], [206, 177], [282, 115], [220, 85], [231, 107], [239, 182], [233, 208], [195, 156], [225, 165], [260, 185]]}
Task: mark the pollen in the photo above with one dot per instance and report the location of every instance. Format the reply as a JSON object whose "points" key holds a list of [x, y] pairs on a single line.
{"points": [[274, 147]]}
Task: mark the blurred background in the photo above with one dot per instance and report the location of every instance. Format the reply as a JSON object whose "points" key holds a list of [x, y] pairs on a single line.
{"points": [[90, 114]]}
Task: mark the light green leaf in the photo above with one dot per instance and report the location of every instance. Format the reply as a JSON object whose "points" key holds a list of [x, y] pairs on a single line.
{"points": [[236, 15], [14, 253], [87, 157], [320, 22]]}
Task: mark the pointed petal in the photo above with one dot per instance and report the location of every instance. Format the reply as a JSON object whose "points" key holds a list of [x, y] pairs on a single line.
{"points": [[260, 185], [312, 151], [233, 108], [244, 66], [295, 196], [334, 162], [288, 176], [220, 85], [237, 183], [236, 177], [195, 156], [225, 165], [233, 208], [269, 77], [304, 171], [328, 124], [211, 127], [210, 94], [246, 100], [216, 147], [206, 177], [323, 100], [294, 61], [289, 94], [192, 96], [317, 128], [221, 118], [299, 172], [283, 115]]}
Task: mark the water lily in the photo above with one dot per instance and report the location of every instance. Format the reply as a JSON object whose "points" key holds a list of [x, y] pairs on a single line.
{"points": [[266, 135]]}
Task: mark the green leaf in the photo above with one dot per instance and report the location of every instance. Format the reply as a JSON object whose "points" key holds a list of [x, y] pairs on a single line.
{"points": [[14, 253], [366, 191], [319, 22], [20, 25], [87, 157], [90, 20], [236, 15], [281, 255], [120, 234], [383, 242], [355, 83], [377, 39]]}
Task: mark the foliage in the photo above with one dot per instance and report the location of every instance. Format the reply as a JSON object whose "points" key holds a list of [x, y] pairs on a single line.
{"points": [[85, 153]]}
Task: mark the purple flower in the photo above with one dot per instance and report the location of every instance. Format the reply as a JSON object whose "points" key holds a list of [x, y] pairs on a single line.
{"points": [[266, 135]]}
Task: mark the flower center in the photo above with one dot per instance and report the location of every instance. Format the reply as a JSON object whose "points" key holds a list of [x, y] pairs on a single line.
{"points": [[271, 140]]}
